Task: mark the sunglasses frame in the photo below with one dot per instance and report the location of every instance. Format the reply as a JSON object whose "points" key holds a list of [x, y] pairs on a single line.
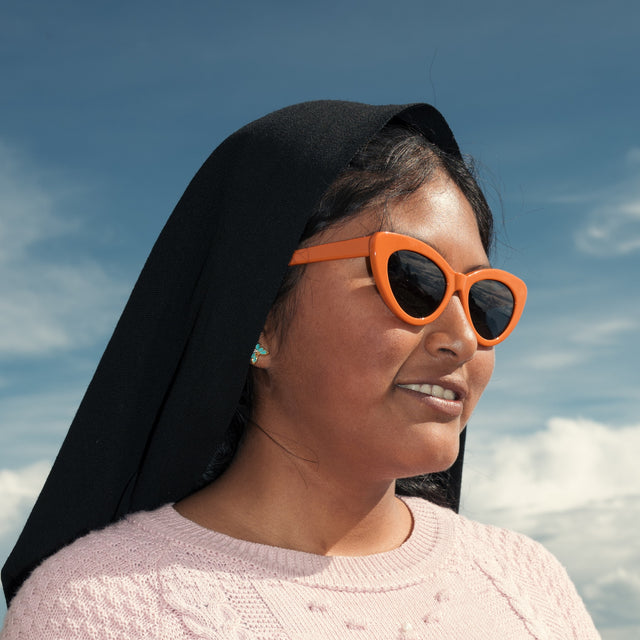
{"points": [[379, 246]]}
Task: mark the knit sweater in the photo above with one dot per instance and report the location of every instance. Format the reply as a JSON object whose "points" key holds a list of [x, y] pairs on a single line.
{"points": [[158, 575]]}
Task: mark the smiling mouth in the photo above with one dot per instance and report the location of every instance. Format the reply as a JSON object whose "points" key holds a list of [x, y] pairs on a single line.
{"points": [[434, 390]]}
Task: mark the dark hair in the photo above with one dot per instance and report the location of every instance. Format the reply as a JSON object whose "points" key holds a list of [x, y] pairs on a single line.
{"points": [[393, 165]]}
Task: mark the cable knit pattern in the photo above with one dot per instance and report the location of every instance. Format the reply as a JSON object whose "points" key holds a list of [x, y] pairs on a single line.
{"points": [[158, 575]]}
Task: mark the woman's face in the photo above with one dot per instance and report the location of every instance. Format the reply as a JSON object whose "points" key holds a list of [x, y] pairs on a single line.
{"points": [[336, 384]]}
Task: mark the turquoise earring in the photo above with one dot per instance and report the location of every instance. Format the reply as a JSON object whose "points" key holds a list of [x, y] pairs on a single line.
{"points": [[258, 351]]}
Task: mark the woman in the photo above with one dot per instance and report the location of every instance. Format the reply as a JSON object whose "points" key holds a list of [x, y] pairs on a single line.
{"points": [[266, 479]]}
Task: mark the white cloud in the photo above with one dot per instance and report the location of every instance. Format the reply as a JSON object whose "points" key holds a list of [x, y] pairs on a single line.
{"points": [[588, 460], [48, 303], [34, 424], [574, 486], [605, 332], [18, 491], [612, 231], [26, 209], [613, 224], [554, 360], [46, 306], [579, 330]]}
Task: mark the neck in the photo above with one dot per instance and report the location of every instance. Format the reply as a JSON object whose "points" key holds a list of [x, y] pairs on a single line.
{"points": [[282, 498]]}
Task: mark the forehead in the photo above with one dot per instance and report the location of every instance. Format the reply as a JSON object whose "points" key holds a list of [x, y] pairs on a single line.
{"points": [[437, 213], [437, 208]]}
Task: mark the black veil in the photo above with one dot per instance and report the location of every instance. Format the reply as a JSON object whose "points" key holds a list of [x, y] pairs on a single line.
{"points": [[169, 381]]}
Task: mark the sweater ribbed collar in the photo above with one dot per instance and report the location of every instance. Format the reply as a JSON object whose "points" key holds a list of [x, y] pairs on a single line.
{"points": [[419, 557]]}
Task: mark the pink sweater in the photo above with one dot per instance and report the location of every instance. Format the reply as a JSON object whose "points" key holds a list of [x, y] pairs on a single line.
{"points": [[158, 575]]}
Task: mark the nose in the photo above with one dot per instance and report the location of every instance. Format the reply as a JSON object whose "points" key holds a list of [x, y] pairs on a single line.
{"points": [[451, 335]]}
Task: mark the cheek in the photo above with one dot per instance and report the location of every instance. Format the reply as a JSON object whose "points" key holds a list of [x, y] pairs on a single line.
{"points": [[480, 370], [347, 347], [345, 341], [487, 360]]}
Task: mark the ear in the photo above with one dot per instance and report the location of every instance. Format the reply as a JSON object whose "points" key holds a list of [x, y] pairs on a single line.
{"points": [[260, 356]]}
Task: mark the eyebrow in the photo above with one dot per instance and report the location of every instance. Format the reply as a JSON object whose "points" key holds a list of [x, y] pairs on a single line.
{"points": [[480, 267]]}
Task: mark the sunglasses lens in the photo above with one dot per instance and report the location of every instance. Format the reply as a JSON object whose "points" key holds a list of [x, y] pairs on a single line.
{"points": [[491, 306], [417, 283]]}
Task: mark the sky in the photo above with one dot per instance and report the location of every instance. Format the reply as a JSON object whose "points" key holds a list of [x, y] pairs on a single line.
{"points": [[107, 111]]}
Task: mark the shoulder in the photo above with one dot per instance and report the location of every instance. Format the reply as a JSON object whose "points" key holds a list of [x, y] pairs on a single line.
{"points": [[502, 553], [103, 552], [528, 575], [475, 537], [510, 546], [518, 569], [497, 551], [100, 583], [485, 545]]}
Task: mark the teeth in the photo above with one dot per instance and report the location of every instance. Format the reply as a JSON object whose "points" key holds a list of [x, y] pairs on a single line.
{"points": [[431, 390]]}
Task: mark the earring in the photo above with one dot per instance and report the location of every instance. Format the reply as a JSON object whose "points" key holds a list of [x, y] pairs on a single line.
{"points": [[258, 351]]}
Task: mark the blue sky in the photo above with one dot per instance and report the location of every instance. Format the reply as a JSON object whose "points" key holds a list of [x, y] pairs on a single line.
{"points": [[107, 111]]}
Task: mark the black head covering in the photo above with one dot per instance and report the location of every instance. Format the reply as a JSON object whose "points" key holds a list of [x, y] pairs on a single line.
{"points": [[169, 381]]}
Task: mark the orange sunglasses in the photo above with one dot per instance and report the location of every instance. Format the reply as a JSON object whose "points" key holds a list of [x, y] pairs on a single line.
{"points": [[416, 283]]}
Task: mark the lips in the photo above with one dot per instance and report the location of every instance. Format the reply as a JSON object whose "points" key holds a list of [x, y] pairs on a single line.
{"points": [[443, 389], [444, 399], [431, 390]]}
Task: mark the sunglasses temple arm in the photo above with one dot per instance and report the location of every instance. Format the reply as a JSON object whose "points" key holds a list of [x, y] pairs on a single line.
{"points": [[355, 248]]}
